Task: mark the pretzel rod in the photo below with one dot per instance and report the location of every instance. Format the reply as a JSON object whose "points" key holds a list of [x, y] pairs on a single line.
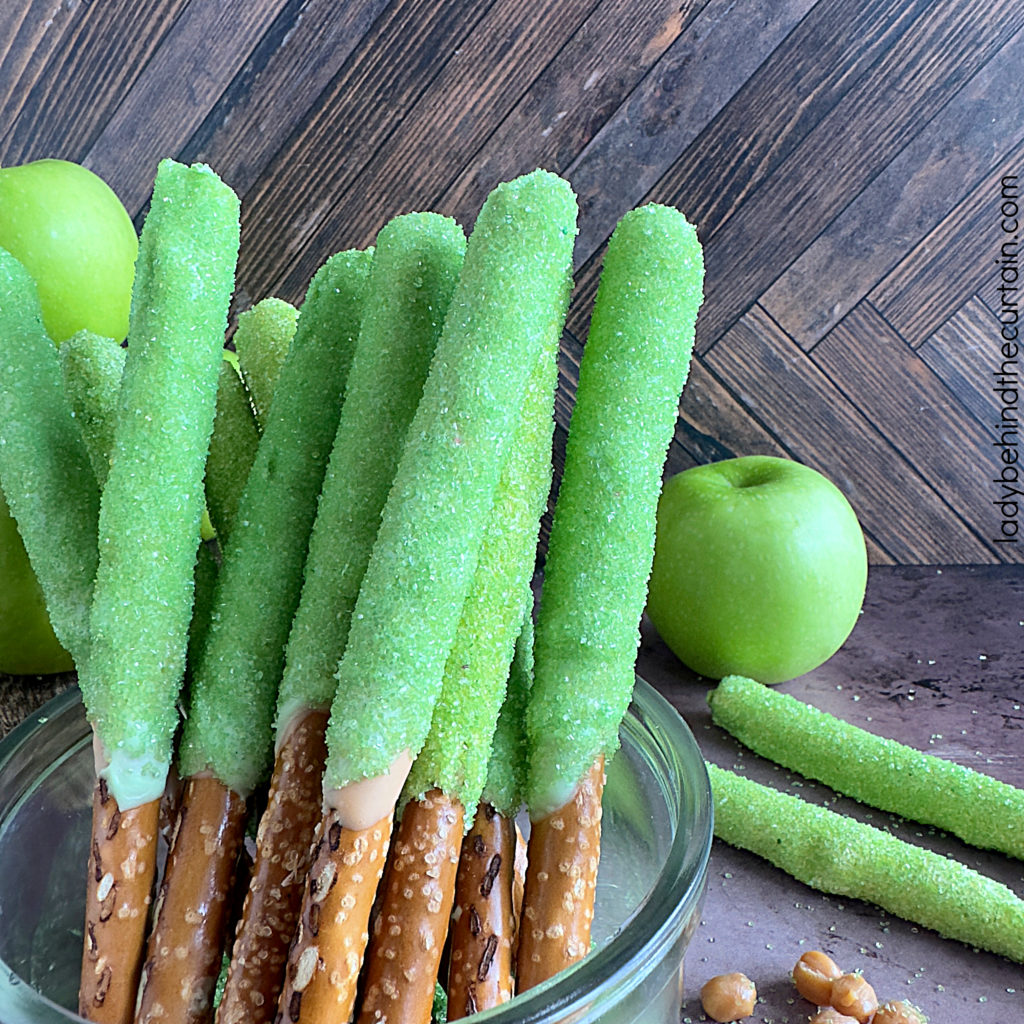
{"points": [[283, 858], [635, 363], [840, 855], [412, 922], [561, 879], [122, 869], [488, 891], [229, 727], [91, 368], [511, 293], [232, 450], [415, 265], [262, 339], [45, 470], [323, 965], [142, 605], [193, 905], [449, 772], [228, 733], [880, 772], [483, 927]]}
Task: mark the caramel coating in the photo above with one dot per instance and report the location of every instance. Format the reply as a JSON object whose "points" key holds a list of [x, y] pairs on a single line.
{"points": [[899, 1011], [728, 997], [852, 995], [813, 975], [830, 1015]]}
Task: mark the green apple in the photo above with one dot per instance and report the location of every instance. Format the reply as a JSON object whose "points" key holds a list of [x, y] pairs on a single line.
{"points": [[27, 643], [72, 234], [759, 569], [69, 230]]}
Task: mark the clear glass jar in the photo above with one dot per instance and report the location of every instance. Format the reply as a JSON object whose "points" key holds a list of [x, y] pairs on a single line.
{"points": [[655, 846]]}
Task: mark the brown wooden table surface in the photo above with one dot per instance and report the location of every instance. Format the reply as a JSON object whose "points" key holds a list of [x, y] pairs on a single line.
{"points": [[937, 661]]}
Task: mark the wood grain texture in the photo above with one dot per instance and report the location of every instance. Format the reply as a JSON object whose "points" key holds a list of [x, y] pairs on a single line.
{"points": [[950, 263], [828, 153], [973, 134], [897, 507], [954, 454], [961, 353]]}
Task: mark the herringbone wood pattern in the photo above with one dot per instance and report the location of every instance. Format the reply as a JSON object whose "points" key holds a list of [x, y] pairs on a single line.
{"points": [[844, 164]]}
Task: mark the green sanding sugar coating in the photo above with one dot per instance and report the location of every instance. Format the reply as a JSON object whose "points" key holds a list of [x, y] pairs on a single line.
{"points": [[877, 771], [634, 365], [262, 338], [510, 751], [512, 294], [455, 755], [415, 267], [153, 499], [229, 728], [839, 855], [91, 369], [232, 450], [45, 470]]}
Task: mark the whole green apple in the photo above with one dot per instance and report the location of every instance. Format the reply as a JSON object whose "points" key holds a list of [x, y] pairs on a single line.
{"points": [[759, 568], [68, 229], [75, 238]]}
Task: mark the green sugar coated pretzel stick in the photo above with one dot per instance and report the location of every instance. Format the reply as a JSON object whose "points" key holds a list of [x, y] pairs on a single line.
{"points": [[455, 755], [232, 449], [153, 498], [512, 293], [91, 368], [840, 855], [634, 366], [45, 470], [416, 264], [229, 726], [880, 772], [262, 339], [505, 786]]}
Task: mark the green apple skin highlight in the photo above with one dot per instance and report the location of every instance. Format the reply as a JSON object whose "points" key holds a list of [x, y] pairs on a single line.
{"points": [[760, 568]]}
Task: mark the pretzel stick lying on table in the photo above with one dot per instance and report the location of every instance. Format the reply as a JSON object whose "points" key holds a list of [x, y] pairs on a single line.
{"points": [[634, 365], [226, 744], [415, 265], [142, 601], [485, 917], [840, 855], [513, 284], [448, 775], [880, 772]]}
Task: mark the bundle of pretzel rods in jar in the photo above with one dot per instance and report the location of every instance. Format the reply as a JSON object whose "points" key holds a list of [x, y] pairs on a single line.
{"points": [[296, 585]]}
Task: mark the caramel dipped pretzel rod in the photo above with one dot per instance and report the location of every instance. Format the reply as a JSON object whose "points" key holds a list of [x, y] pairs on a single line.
{"points": [[148, 535], [634, 365], [226, 744], [448, 775], [485, 916]]}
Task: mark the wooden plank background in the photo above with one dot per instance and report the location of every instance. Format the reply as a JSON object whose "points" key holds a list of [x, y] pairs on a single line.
{"points": [[843, 162]]}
